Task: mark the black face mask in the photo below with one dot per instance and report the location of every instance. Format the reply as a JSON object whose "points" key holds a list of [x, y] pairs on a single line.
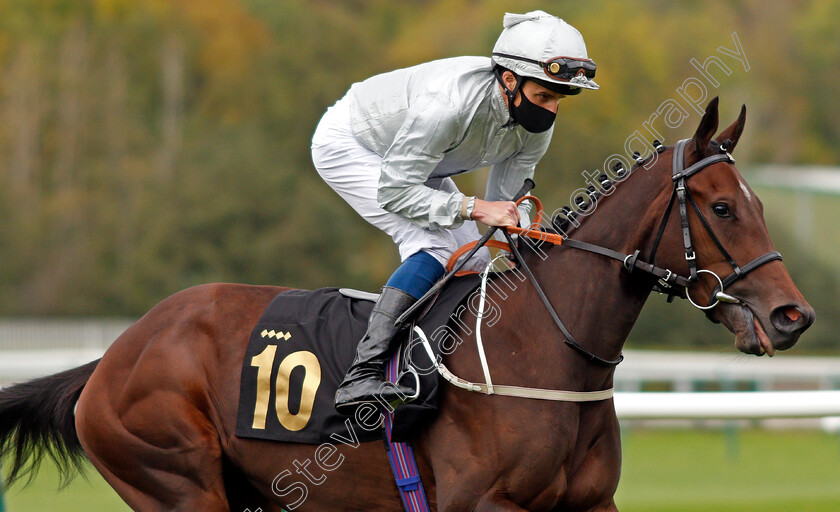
{"points": [[533, 118]]}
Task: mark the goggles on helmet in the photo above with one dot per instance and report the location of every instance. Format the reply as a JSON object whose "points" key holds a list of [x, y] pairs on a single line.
{"points": [[560, 68]]}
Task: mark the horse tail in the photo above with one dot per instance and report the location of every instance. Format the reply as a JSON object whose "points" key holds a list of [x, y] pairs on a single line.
{"points": [[37, 418]]}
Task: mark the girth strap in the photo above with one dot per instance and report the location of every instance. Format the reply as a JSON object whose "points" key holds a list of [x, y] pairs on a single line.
{"points": [[401, 455]]}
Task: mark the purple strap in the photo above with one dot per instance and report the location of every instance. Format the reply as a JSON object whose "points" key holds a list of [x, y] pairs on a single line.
{"points": [[402, 459]]}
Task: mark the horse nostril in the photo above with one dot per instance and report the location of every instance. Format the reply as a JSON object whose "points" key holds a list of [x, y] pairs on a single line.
{"points": [[792, 313], [790, 319]]}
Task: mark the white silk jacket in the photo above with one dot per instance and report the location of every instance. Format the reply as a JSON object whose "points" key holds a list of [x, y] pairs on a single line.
{"points": [[436, 120]]}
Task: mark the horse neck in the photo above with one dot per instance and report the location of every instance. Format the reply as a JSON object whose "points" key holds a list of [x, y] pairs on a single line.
{"points": [[597, 300]]}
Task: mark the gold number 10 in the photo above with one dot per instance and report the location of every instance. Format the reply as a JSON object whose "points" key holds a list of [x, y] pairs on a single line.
{"points": [[264, 361]]}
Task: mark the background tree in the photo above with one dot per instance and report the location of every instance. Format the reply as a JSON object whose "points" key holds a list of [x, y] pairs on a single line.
{"points": [[147, 146]]}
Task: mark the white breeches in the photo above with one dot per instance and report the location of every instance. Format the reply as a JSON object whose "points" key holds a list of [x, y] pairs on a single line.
{"points": [[353, 172]]}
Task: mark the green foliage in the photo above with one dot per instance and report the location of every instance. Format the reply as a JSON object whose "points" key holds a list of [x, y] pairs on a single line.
{"points": [[150, 146]]}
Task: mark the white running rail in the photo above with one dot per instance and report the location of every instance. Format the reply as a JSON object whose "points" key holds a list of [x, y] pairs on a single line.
{"points": [[728, 405]]}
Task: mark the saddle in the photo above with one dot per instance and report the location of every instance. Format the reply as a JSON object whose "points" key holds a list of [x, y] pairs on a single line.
{"points": [[300, 350]]}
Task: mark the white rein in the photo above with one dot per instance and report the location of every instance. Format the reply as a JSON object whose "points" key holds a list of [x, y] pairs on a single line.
{"points": [[489, 388]]}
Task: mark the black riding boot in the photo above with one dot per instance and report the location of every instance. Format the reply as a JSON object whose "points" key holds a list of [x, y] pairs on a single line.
{"points": [[365, 378]]}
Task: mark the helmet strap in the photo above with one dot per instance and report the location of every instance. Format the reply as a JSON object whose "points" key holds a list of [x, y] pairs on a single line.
{"points": [[511, 94]]}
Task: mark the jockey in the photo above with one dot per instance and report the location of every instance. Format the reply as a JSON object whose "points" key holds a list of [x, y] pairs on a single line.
{"points": [[390, 145]]}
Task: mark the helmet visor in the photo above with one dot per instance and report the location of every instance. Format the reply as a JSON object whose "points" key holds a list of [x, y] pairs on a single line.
{"points": [[562, 69], [566, 90], [566, 68]]}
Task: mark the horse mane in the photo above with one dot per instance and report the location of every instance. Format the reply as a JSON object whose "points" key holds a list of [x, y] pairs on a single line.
{"points": [[567, 220]]}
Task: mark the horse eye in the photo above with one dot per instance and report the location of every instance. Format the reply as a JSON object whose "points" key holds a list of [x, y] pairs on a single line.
{"points": [[722, 210]]}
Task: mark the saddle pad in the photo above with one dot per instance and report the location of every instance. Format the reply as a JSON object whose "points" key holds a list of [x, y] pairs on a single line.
{"points": [[297, 356]]}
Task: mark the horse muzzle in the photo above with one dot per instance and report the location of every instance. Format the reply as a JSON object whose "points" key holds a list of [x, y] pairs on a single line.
{"points": [[765, 334]]}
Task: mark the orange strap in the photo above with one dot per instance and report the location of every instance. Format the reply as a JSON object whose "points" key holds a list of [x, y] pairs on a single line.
{"points": [[538, 220], [466, 247], [543, 236], [536, 234], [537, 204]]}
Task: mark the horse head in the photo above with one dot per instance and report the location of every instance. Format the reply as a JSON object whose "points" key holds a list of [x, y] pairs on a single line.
{"points": [[724, 246]]}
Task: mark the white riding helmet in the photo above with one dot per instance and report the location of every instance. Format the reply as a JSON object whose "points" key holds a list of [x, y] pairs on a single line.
{"points": [[544, 47]]}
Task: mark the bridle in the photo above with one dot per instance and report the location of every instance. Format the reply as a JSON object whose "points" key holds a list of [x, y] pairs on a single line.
{"points": [[681, 193], [669, 282]]}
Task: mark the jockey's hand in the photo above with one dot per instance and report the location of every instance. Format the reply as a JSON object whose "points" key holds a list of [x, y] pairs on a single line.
{"points": [[496, 213]]}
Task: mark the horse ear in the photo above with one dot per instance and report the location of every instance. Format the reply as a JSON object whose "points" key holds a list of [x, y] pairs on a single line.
{"points": [[733, 133], [706, 130]]}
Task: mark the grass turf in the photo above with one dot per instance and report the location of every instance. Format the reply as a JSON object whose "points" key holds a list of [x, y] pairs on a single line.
{"points": [[749, 470], [82, 495], [670, 470]]}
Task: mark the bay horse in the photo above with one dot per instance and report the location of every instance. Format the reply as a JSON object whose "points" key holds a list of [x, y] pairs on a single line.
{"points": [[156, 414]]}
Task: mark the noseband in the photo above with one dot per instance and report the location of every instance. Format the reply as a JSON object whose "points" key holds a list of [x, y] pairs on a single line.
{"points": [[681, 193]]}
